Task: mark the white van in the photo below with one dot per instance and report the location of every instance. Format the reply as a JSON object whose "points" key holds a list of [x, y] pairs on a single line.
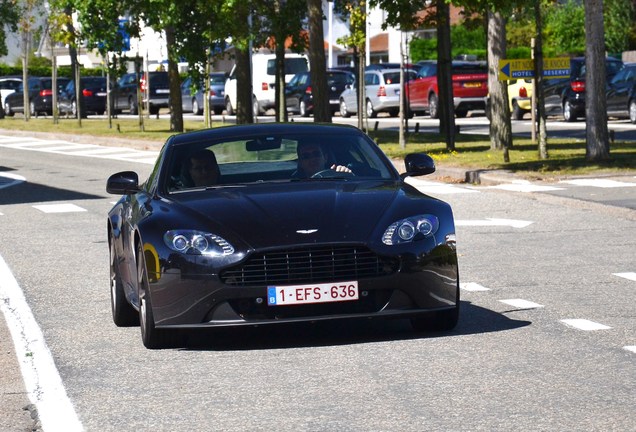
{"points": [[263, 80]]}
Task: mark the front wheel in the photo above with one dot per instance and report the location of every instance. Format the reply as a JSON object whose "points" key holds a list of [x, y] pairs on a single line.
{"points": [[132, 106], [632, 111], [228, 107], [517, 112], [7, 110], [32, 110], [196, 109], [256, 107], [343, 109], [124, 315], [569, 115], [302, 108], [151, 337], [433, 106], [371, 113]]}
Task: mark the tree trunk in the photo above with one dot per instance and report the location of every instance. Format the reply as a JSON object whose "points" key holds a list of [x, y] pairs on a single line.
{"points": [[500, 127], [280, 100], [538, 78], [444, 77], [176, 109], [596, 134], [317, 63], [244, 90]]}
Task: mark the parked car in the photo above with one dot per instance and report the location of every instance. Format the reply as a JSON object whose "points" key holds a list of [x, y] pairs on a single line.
{"points": [[93, 93], [470, 88], [382, 93], [264, 80], [621, 94], [263, 246], [40, 96], [194, 102], [519, 98], [566, 96], [299, 93], [125, 92], [8, 84]]}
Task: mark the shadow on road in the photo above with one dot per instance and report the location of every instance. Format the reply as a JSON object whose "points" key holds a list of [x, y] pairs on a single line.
{"points": [[26, 192], [473, 320]]}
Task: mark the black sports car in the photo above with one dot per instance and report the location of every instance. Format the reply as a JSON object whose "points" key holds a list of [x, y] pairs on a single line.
{"points": [[278, 223]]}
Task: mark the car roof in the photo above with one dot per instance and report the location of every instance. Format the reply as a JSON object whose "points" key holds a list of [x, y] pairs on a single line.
{"points": [[261, 129]]}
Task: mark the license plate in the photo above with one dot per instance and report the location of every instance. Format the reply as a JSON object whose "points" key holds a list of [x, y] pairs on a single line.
{"points": [[315, 293], [472, 84], [100, 94], [163, 91], [334, 101]]}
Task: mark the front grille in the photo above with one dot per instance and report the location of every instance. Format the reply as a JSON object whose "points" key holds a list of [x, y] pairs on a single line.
{"points": [[309, 265]]}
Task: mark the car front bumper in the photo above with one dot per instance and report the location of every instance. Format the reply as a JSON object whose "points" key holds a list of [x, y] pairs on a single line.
{"points": [[420, 283]]}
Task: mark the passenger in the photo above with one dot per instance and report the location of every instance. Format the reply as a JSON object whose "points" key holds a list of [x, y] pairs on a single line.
{"points": [[312, 159], [202, 168]]}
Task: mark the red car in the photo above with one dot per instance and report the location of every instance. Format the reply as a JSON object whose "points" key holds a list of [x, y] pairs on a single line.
{"points": [[470, 88]]}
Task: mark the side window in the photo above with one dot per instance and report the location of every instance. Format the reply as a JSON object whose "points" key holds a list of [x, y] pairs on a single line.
{"points": [[368, 79]]}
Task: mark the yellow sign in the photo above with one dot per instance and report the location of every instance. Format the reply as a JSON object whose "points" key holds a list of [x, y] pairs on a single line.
{"points": [[558, 67]]}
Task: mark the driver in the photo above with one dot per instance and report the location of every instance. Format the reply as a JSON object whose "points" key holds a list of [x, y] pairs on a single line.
{"points": [[311, 160]]}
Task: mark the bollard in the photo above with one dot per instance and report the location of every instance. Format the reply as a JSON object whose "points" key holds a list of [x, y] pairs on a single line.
{"points": [[375, 128], [417, 127], [612, 135]]}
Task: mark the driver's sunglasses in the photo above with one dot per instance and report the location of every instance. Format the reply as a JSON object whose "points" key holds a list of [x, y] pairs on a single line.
{"points": [[311, 155]]}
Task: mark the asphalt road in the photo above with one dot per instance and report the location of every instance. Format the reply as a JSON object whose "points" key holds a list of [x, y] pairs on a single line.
{"points": [[546, 338]]}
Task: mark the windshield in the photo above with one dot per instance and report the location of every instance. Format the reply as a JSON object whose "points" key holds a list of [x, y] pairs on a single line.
{"points": [[274, 158]]}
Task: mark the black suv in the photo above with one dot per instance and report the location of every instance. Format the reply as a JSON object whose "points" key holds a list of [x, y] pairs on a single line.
{"points": [[125, 92], [40, 96], [299, 95], [567, 95]]}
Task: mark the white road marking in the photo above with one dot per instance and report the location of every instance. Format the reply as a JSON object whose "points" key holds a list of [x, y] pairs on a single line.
{"points": [[631, 348], [13, 179], [524, 186], [583, 324], [59, 208], [600, 183], [630, 275], [434, 188], [76, 149], [472, 286], [521, 304], [42, 380], [493, 222]]}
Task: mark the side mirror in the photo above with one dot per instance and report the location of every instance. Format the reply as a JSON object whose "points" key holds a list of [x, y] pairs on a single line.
{"points": [[123, 183], [418, 164]]}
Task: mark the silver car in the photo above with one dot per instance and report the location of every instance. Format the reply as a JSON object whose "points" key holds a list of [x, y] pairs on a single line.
{"points": [[193, 102], [382, 93]]}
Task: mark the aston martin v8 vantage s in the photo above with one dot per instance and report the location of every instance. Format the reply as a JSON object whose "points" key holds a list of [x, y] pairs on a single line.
{"points": [[278, 223]]}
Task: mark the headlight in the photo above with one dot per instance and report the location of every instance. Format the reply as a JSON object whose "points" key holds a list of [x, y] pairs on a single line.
{"points": [[197, 243], [410, 229]]}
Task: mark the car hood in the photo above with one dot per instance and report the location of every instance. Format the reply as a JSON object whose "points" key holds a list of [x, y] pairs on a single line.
{"points": [[300, 212]]}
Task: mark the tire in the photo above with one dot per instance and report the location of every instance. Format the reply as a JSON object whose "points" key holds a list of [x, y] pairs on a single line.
{"points": [[437, 321], [196, 109], [228, 107], [569, 115], [7, 110], [394, 113], [218, 110], [517, 113], [32, 110], [151, 337], [124, 315], [461, 113], [132, 106], [302, 109], [433, 106], [632, 111], [74, 109], [343, 109], [256, 107], [153, 110], [371, 113]]}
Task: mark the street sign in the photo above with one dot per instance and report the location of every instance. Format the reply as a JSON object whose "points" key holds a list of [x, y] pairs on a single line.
{"points": [[558, 67]]}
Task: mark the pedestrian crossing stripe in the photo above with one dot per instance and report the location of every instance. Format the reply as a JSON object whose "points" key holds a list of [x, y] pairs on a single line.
{"points": [[59, 208], [600, 183]]}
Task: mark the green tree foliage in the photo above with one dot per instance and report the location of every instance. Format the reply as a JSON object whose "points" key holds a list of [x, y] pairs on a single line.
{"points": [[9, 18], [619, 23], [564, 28]]}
